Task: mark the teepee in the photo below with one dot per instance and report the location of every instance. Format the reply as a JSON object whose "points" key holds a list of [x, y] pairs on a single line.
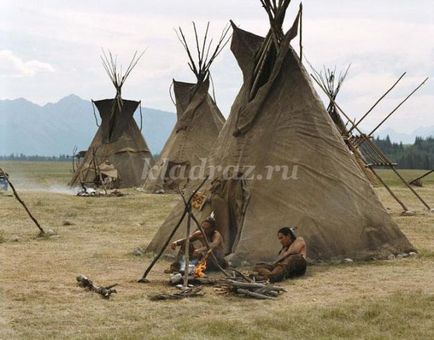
{"points": [[279, 122], [199, 120], [118, 155]]}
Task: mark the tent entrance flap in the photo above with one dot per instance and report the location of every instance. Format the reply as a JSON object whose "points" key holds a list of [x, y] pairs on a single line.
{"points": [[230, 198]]}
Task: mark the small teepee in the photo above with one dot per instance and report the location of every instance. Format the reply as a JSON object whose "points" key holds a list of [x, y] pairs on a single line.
{"points": [[118, 155], [331, 83], [199, 120], [278, 122]]}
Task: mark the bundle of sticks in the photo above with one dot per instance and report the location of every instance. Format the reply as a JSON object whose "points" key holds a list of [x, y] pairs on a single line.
{"points": [[182, 294], [256, 290], [105, 292]]}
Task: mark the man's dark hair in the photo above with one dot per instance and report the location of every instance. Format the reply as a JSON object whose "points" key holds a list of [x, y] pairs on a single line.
{"points": [[287, 232], [212, 222]]}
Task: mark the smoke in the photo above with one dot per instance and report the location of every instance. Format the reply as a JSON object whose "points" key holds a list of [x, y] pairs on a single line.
{"points": [[26, 185]]}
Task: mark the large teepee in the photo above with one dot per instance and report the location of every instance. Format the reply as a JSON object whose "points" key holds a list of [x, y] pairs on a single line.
{"points": [[118, 151], [278, 121], [199, 121]]}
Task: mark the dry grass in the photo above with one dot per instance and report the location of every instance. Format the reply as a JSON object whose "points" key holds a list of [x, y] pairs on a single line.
{"points": [[39, 297]]}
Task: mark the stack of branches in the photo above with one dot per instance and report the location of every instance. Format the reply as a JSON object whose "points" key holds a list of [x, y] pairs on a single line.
{"points": [[105, 292], [256, 290], [276, 10], [201, 63], [115, 73]]}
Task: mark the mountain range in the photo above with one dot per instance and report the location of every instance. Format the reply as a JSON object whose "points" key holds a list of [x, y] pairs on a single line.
{"points": [[55, 128]]}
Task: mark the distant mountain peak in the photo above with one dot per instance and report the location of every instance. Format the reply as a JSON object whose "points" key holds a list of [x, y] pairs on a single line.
{"points": [[56, 127], [71, 99]]}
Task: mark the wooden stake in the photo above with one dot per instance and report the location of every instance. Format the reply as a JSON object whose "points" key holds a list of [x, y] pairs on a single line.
{"points": [[187, 248], [156, 258], [41, 230]]}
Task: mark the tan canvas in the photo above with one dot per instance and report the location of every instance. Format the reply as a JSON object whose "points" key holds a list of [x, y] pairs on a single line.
{"points": [[198, 125]]}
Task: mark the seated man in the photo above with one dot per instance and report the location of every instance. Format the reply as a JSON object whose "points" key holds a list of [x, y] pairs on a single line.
{"points": [[291, 261], [215, 240]]}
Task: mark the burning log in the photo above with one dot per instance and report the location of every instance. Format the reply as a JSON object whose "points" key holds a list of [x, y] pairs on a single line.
{"points": [[105, 292]]}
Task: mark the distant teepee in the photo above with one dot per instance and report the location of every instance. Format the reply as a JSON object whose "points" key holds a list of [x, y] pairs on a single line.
{"points": [[118, 154], [199, 120]]}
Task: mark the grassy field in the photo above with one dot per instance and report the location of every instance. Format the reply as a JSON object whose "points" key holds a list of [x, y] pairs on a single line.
{"points": [[39, 297]]}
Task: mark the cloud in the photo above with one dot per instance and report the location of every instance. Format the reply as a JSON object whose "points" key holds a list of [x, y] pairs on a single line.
{"points": [[13, 66]]}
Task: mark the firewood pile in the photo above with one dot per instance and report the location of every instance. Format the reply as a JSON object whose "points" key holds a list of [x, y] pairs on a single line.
{"points": [[105, 292], [256, 290], [183, 293]]}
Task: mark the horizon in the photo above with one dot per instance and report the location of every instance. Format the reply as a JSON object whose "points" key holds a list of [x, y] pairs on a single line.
{"points": [[382, 132]]}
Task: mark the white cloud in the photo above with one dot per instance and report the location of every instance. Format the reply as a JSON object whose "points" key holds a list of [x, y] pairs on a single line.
{"points": [[13, 66]]}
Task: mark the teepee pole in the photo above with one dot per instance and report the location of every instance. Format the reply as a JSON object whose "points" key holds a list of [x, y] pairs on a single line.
{"points": [[388, 188], [301, 32], [421, 177], [410, 187], [400, 104], [377, 102]]}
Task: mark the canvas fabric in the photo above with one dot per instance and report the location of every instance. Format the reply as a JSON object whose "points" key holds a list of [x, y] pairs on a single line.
{"points": [[198, 125]]}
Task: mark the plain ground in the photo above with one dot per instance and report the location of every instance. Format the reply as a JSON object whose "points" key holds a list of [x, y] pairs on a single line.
{"points": [[39, 297]]}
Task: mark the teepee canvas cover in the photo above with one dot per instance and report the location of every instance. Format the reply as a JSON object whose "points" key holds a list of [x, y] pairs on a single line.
{"points": [[199, 122], [278, 119], [118, 140]]}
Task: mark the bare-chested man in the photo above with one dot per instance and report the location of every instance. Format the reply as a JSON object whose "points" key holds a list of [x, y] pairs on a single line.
{"points": [[291, 261], [215, 240]]}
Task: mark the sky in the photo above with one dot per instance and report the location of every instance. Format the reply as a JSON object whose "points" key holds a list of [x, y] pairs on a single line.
{"points": [[51, 48]]}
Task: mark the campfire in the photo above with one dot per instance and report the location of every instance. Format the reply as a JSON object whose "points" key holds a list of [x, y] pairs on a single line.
{"points": [[199, 270]]}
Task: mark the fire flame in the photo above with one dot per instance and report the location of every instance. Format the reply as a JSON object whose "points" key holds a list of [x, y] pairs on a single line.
{"points": [[199, 270]]}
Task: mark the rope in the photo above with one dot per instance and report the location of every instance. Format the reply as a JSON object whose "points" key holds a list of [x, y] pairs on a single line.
{"points": [[94, 113]]}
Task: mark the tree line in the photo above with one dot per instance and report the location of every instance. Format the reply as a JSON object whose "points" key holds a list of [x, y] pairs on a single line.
{"points": [[38, 158], [419, 155]]}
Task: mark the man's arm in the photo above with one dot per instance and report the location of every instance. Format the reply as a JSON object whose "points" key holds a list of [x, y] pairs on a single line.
{"points": [[297, 248], [216, 241], [193, 237]]}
